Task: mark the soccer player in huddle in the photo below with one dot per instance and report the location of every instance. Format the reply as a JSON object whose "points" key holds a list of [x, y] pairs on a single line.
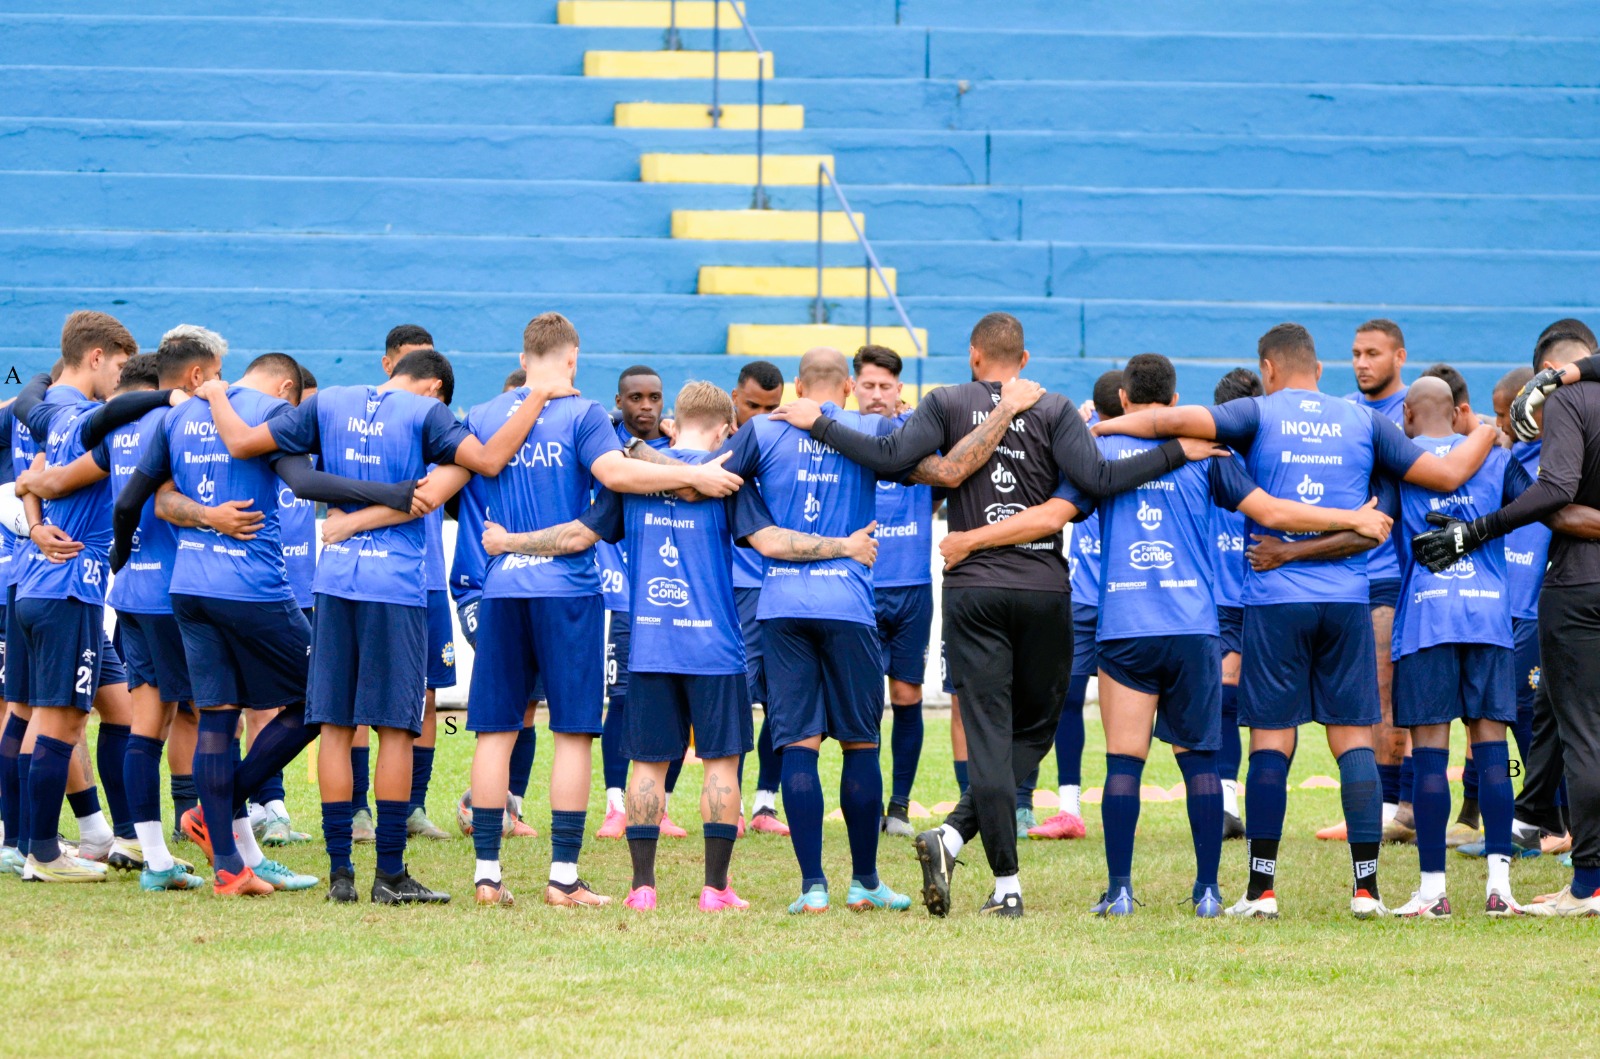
{"points": [[1308, 645]]}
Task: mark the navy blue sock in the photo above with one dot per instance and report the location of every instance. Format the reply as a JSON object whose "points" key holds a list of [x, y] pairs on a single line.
{"points": [[613, 759], [1359, 791], [769, 760], [1265, 802], [360, 775], [275, 746], [1408, 779], [486, 827], [960, 766], [1495, 800], [11, 779], [1522, 731], [336, 818], [1470, 776], [1585, 881], [674, 769], [1119, 816], [391, 836], [802, 797], [421, 773], [185, 795], [1232, 752], [1389, 776], [522, 760], [271, 790], [1025, 790], [110, 754], [47, 783], [24, 802], [214, 771], [85, 802], [143, 773], [1069, 735], [566, 835], [1203, 785], [905, 751], [861, 802], [1431, 804]]}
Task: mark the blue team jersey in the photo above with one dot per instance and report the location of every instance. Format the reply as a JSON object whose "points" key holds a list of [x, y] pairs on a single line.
{"points": [[374, 435], [85, 515], [297, 527], [809, 487], [905, 535], [680, 576], [144, 584], [613, 557], [470, 561], [23, 450], [749, 568], [1304, 445], [1382, 564], [435, 576], [1467, 601], [546, 483], [1228, 533], [1157, 556], [1527, 547], [1083, 560]]}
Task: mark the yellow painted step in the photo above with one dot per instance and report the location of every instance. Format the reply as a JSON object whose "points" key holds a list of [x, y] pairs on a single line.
{"points": [[771, 281], [785, 117], [785, 225], [645, 14], [789, 169], [735, 65], [791, 340]]}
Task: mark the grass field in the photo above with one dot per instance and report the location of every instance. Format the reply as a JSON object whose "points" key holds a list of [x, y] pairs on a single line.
{"points": [[124, 972]]}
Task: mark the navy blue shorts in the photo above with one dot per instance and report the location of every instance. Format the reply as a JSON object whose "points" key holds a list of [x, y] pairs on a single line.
{"points": [[1455, 682], [16, 675], [66, 645], [559, 638], [1184, 672], [1385, 593], [112, 671], [1307, 662], [905, 622], [843, 660], [367, 664], [1085, 653], [748, 600], [944, 671], [467, 614], [441, 641], [1525, 660], [152, 651], [662, 707], [249, 654], [619, 637], [1230, 625]]}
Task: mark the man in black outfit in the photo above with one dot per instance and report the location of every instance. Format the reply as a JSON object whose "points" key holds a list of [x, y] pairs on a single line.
{"points": [[1008, 611]]}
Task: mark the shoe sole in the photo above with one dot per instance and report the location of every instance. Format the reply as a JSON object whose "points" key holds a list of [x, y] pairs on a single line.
{"points": [[935, 898], [122, 862]]}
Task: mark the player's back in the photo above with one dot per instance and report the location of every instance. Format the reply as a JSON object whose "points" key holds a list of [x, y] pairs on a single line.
{"points": [[84, 515], [23, 450], [143, 584], [1527, 547], [905, 535]]}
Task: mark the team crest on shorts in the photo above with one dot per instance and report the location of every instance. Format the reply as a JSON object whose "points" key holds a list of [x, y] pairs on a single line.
{"points": [[449, 653], [1533, 678]]}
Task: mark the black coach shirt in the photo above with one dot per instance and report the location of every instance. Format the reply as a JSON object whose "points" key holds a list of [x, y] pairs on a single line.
{"points": [[1569, 473], [1043, 445]]}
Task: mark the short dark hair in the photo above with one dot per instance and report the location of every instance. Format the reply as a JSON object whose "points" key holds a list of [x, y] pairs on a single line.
{"points": [[429, 364], [879, 357], [763, 373], [999, 335], [284, 367], [1514, 380], [1568, 330], [1288, 346], [1240, 382], [308, 381], [1149, 378], [1456, 381], [177, 353], [86, 330], [407, 335], [140, 373], [1388, 327], [1107, 402], [515, 379], [637, 369]]}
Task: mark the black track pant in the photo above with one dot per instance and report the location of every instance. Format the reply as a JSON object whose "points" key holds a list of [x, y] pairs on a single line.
{"points": [[1569, 657], [1011, 655], [1543, 769]]}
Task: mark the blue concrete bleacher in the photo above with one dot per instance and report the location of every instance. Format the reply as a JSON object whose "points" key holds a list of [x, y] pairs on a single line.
{"points": [[1171, 175]]}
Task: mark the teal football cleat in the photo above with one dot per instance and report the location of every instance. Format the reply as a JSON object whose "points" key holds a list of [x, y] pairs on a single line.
{"points": [[12, 861], [282, 878], [1025, 820], [173, 878], [860, 899], [813, 901]]}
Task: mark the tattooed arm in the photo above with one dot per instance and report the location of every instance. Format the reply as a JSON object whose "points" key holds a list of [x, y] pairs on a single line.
{"points": [[568, 538], [968, 454], [791, 546], [231, 519]]}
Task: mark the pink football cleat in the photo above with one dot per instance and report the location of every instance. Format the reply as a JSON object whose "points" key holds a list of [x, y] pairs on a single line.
{"points": [[670, 829], [642, 899], [721, 900], [741, 826], [768, 823], [521, 828], [615, 824], [1061, 825]]}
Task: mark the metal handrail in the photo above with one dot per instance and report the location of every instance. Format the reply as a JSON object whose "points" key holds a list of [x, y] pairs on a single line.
{"points": [[819, 313], [673, 42]]}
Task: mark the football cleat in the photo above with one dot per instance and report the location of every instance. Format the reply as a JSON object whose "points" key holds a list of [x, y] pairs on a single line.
{"points": [[1502, 906], [1554, 845], [63, 869], [282, 878], [861, 899], [361, 826], [579, 895], [1565, 905], [464, 813], [276, 831], [194, 828], [245, 883], [766, 821], [1263, 907], [1521, 847], [813, 902], [1061, 825], [1210, 904], [12, 860], [1398, 833], [342, 887], [670, 829], [126, 855], [1025, 820], [1364, 906], [1007, 907], [714, 900], [1420, 907], [402, 889], [1334, 833], [1120, 903], [938, 868], [1232, 826], [419, 826], [897, 821], [615, 825], [1460, 834], [493, 893], [641, 899], [174, 878], [520, 828]]}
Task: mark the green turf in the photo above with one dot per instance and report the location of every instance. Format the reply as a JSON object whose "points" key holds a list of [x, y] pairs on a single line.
{"points": [[107, 969]]}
